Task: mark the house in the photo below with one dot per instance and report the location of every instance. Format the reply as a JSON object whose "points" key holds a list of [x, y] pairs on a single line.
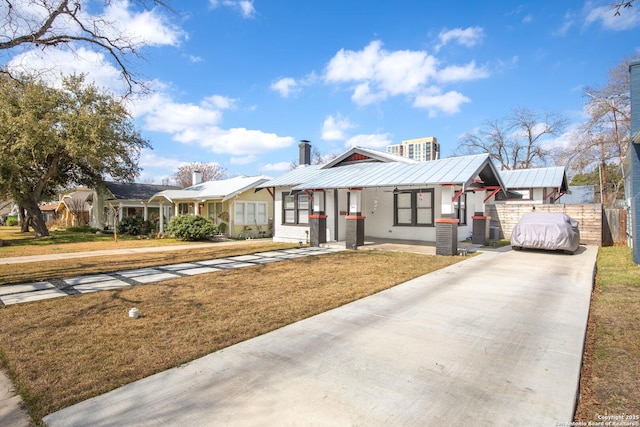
{"points": [[536, 185], [114, 201], [7, 209], [48, 210], [233, 204], [381, 195], [73, 209]]}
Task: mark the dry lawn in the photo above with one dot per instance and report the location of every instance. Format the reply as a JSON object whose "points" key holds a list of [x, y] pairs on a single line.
{"points": [[611, 366], [36, 271], [59, 352]]}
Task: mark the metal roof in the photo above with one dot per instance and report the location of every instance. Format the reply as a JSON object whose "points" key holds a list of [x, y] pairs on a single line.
{"points": [[553, 177], [222, 189], [454, 170]]}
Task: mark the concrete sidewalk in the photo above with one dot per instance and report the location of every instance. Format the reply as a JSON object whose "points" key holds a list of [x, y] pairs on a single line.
{"points": [[494, 340]]}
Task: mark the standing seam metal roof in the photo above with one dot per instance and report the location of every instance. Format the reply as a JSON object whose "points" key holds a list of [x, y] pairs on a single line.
{"points": [[552, 177], [454, 170]]}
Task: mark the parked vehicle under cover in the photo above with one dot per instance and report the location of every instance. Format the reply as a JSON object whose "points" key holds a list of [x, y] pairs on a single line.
{"points": [[546, 230]]}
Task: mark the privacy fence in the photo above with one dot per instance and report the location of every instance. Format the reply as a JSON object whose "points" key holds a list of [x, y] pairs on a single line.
{"points": [[597, 226]]}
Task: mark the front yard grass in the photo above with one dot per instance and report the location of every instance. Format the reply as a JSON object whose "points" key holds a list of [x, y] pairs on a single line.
{"points": [[62, 351], [611, 364]]}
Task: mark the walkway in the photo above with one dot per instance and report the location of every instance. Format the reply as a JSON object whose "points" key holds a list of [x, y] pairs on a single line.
{"points": [[55, 288]]}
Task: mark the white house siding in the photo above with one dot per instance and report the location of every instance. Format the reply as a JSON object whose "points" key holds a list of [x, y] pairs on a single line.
{"points": [[378, 209]]}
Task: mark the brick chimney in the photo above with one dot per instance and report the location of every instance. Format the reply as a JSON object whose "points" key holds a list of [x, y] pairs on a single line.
{"points": [[305, 152]]}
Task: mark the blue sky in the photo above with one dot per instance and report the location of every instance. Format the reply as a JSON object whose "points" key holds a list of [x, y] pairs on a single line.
{"points": [[241, 82]]}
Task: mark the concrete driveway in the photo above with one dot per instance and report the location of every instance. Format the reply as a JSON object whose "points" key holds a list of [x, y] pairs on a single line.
{"points": [[495, 340]]}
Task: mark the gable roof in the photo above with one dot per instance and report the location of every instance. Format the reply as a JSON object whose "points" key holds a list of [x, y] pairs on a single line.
{"points": [[390, 172], [135, 191], [222, 189], [552, 177], [361, 154]]}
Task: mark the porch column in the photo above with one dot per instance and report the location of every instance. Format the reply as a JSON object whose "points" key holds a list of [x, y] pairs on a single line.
{"points": [[120, 211], [161, 224], [176, 209], [318, 221], [480, 233], [145, 212], [447, 225], [195, 208], [355, 220]]}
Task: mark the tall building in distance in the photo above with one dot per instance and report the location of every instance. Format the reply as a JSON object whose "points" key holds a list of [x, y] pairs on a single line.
{"points": [[420, 149]]}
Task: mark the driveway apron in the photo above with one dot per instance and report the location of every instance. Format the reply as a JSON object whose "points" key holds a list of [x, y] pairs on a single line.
{"points": [[494, 340]]}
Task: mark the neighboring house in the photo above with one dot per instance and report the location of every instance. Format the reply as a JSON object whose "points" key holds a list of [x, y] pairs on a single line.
{"points": [[232, 202], [381, 195], [7, 209], [115, 201], [537, 185], [579, 194], [73, 209], [48, 210]]}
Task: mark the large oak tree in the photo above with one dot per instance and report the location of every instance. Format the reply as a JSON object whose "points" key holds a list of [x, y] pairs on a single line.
{"points": [[54, 138]]}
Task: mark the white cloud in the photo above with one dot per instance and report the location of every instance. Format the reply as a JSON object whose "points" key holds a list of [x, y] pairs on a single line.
{"points": [[276, 167], [220, 102], [148, 159], [628, 18], [244, 6], [456, 73], [569, 21], [52, 64], [147, 27], [436, 102], [376, 74], [333, 128], [285, 86], [369, 141], [467, 37], [244, 160]]}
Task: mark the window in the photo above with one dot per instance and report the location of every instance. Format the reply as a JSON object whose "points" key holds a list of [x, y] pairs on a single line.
{"points": [[515, 194], [413, 207], [461, 209], [295, 208], [250, 213], [215, 212], [185, 208]]}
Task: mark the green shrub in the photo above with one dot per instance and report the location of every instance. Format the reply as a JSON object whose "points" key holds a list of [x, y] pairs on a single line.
{"points": [[12, 221], [134, 226], [191, 227]]}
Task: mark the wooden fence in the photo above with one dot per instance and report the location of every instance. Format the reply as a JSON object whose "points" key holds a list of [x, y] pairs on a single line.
{"points": [[590, 216]]}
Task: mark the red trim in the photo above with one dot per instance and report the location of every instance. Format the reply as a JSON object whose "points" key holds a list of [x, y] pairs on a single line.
{"points": [[270, 192], [480, 217], [355, 189], [317, 216], [555, 190], [355, 217], [447, 220], [493, 193], [457, 195]]}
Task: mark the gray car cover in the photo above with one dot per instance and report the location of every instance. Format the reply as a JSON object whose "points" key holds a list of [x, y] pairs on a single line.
{"points": [[546, 230]]}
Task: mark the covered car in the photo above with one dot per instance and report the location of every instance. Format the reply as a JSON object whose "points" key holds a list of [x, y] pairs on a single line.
{"points": [[546, 230]]}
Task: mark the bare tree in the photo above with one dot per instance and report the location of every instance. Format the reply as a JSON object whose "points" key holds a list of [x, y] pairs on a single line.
{"points": [[76, 206], [622, 4], [55, 23], [603, 139], [317, 158], [210, 172], [515, 141]]}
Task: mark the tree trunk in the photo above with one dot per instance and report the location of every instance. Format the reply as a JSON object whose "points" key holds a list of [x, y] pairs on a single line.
{"points": [[34, 215], [24, 219]]}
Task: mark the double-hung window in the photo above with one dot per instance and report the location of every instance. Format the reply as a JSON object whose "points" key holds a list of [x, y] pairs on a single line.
{"points": [[295, 208], [413, 207], [250, 213]]}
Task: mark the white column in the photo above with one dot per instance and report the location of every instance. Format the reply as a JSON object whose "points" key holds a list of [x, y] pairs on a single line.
{"points": [[196, 207], [145, 212], [161, 225], [447, 196]]}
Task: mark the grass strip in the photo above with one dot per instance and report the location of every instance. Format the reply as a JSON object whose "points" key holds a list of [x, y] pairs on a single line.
{"points": [[611, 363]]}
